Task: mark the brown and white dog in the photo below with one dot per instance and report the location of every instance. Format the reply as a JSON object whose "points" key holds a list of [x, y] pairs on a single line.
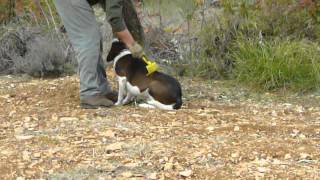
{"points": [[158, 89]]}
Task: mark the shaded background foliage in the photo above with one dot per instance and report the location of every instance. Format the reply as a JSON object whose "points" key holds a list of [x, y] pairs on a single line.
{"points": [[212, 39]]}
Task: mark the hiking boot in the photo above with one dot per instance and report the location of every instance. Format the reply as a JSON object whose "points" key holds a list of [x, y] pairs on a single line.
{"points": [[113, 96], [95, 102]]}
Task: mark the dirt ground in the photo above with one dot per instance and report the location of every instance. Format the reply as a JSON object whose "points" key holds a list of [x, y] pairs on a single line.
{"points": [[222, 132]]}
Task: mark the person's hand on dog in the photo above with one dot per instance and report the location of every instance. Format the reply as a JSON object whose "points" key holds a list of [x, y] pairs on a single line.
{"points": [[136, 50]]}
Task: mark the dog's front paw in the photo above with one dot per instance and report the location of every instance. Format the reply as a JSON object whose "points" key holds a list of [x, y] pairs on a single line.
{"points": [[118, 103], [126, 102]]}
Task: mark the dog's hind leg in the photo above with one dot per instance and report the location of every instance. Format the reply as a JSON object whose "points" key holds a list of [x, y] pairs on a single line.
{"points": [[145, 105], [152, 102], [160, 105], [122, 90]]}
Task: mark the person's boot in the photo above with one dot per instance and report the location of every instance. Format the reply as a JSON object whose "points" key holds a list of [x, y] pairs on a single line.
{"points": [[113, 96], [94, 102]]}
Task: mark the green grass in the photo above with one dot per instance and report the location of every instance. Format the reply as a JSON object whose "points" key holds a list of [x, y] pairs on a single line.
{"points": [[277, 64], [267, 47]]}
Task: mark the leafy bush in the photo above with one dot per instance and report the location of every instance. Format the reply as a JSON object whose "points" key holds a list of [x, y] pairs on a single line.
{"points": [[277, 64]]}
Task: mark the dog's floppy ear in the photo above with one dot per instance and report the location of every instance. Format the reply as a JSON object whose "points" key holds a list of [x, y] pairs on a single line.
{"points": [[112, 53], [115, 40], [116, 48]]}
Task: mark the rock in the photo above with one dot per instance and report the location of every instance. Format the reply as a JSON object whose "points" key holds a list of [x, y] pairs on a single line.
{"points": [[20, 178], [186, 173]]}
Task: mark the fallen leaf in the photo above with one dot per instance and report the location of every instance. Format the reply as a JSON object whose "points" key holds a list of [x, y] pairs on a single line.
{"points": [[302, 136], [26, 155], [115, 146], [210, 128], [287, 156], [305, 156], [236, 128], [235, 155], [27, 119], [168, 166], [69, 119], [127, 174], [136, 115], [19, 130], [152, 176], [186, 173], [37, 155], [108, 133], [22, 137], [262, 169], [6, 152], [12, 113]]}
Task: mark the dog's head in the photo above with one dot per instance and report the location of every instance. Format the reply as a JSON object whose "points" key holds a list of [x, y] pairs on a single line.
{"points": [[116, 48]]}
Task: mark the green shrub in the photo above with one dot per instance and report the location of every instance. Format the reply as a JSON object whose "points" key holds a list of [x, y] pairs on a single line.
{"points": [[277, 64], [234, 36], [210, 58], [283, 19]]}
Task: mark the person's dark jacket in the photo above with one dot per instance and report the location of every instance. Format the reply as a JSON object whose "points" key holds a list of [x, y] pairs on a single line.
{"points": [[113, 9]]}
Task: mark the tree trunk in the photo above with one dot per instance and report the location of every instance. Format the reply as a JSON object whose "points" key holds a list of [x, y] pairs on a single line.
{"points": [[132, 21]]}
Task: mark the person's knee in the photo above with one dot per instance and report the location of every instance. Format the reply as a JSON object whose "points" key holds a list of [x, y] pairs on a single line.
{"points": [[89, 44], [92, 37]]}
